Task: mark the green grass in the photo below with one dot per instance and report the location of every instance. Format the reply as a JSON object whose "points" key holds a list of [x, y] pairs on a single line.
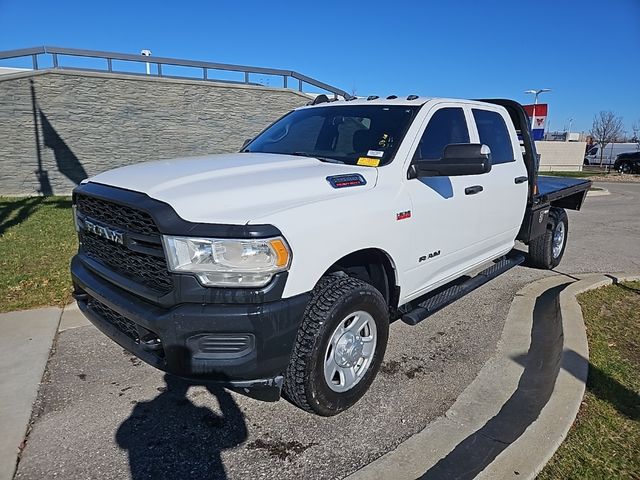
{"points": [[604, 442], [37, 241]]}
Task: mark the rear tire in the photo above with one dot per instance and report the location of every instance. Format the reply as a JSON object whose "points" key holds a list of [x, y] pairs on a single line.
{"points": [[625, 167], [334, 361], [547, 250]]}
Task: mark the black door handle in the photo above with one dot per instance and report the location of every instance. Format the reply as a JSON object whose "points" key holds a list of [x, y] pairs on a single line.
{"points": [[473, 190], [521, 179]]}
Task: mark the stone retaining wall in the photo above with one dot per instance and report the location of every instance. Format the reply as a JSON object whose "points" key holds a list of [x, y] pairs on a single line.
{"points": [[59, 127]]}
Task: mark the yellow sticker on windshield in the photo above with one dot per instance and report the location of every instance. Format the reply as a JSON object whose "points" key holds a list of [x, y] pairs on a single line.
{"points": [[368, 162]]}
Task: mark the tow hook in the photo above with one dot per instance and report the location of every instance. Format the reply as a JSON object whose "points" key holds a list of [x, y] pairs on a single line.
{"points": [[151, 343]]}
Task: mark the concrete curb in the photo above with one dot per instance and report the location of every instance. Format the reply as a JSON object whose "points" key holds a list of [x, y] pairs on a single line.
{"points": [[530, 453], [494, 385], [72, 317], [25, 344]]}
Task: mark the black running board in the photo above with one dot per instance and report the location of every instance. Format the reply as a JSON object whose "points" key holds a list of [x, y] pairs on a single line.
{"points": [[440, 300]]}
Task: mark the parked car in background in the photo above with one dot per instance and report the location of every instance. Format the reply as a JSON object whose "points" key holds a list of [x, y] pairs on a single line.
{"points": [[610, 153], [628, 162]]}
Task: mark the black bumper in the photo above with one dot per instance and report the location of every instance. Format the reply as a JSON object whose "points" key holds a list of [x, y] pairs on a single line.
{"points": [[243, 346]]}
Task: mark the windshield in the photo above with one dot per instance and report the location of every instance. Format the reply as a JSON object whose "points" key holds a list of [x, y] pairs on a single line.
{"points": [[351, 134]]}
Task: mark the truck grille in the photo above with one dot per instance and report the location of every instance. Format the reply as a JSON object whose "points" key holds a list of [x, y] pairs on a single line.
{"points": [[116, 215], [143, 267], [112, 317], [149, 270]]}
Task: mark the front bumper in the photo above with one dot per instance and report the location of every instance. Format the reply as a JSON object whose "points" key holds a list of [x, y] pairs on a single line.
{"points": [[242, 346]]}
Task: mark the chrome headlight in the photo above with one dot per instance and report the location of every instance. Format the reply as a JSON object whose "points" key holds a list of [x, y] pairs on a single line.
{"points": [[223, 262]]}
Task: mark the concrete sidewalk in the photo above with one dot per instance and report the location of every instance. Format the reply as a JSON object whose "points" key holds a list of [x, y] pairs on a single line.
{"points": [[24, 350], [26, 340]]}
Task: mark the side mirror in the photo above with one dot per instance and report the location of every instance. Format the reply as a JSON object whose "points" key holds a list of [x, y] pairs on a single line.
{"points": [[245, 143], [458, 159]]}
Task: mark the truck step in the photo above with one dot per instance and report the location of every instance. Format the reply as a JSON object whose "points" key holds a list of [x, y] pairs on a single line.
{"points": [[440, 300]]}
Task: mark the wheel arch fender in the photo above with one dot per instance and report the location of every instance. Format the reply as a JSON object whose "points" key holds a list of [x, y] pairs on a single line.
{"points": [[374, 266]]}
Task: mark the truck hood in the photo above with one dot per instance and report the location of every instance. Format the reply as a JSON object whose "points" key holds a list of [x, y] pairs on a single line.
{"points": [[235, 188]]}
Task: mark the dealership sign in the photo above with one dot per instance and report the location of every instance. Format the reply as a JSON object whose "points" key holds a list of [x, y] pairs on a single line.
{"points": [[538, 116]]}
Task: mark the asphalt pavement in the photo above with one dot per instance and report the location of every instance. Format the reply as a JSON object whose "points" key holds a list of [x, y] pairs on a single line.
{"points": [[102, 413]]}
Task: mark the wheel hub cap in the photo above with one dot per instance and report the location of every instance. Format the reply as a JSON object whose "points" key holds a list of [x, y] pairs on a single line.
{"points": [[348, 350], [558, 239]]}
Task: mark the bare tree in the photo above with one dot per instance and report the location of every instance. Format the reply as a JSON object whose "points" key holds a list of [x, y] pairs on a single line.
{"points": [[635, 128], [607, 128]]}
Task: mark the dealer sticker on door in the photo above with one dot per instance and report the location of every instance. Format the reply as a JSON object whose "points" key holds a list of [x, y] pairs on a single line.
{"points": [[368, 162]]}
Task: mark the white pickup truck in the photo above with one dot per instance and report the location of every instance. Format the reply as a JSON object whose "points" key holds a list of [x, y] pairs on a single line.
{"points": [[278, 269]]}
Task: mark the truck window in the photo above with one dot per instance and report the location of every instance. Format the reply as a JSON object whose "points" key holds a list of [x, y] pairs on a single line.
{"points": [[446, 126], [494, 133], [344, 133]]}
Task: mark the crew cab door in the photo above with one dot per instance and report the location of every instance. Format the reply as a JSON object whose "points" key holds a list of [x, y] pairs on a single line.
{"points": [[459, 222], [505, 188], [443, 235]]}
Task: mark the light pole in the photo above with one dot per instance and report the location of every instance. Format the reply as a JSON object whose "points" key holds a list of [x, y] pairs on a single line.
{"points": [[146, 53], [535, 100]]}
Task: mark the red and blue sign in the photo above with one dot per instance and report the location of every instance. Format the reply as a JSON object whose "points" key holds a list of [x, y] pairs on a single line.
{"points": [[538, 117]]}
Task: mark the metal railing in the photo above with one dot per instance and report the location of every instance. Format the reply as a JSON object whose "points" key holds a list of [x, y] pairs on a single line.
{"points": [[56, 52]]}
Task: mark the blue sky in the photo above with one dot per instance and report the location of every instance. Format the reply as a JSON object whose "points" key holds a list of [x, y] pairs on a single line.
{"points": [[587, 51]]}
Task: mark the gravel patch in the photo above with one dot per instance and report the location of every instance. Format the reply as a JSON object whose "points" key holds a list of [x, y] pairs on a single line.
{"points": [[615, 178]]}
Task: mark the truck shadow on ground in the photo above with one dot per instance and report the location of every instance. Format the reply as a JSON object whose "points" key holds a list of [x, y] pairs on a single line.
{"points": [[170, 437]]}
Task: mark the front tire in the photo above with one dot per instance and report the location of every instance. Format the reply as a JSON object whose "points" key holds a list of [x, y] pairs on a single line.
{"points": [[547, 250], [340, 346]]}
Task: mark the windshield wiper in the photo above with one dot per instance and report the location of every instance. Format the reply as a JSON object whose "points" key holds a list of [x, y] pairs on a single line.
{"points": [[322, 159]]}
